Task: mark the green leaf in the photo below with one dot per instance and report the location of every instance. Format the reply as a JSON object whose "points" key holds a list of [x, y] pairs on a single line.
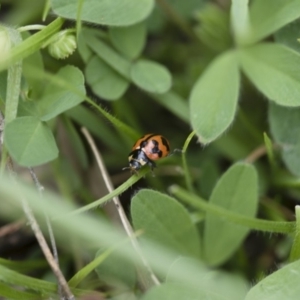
{"points": [[151, 76], [267, 16], [285, 123], [282, 284], [105, 81], [214, 98], [110, 272], [56, 98], [110, 56], [209, 284], [173, 291], [273, 70], [165, 221], [130, 40], [11, 293], [17, 279], [105, 12], [289, 35], [30, 142], [236, 191]]}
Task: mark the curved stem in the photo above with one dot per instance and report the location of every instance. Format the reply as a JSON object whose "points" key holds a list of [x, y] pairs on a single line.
{"points": [[188, 178], [122, 188], [253, 223], [31, 27]]}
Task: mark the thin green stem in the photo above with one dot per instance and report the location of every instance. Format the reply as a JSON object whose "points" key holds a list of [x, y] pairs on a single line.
{"points": [[14, 75], [253, 223], [295, 252], [78, 17], [188, 178], [31, 27], [122, 188], [32, 44]]}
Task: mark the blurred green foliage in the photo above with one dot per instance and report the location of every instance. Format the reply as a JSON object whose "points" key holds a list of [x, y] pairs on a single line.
{"points": [[226, 70]]}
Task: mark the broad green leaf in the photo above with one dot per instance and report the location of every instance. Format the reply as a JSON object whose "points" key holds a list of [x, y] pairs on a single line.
{"points": [[110, 271], [214, 97], [282, 284], [166, 221], [267, 16], [151, 76], [289, 35], [146, 74], [214, 29], [57, 99], [130, 40], [285, 123], [30, 142], [105, 12], [109, 55], [210, 284], [273, 70], [236, 191], [105, 81], [173, 291]]}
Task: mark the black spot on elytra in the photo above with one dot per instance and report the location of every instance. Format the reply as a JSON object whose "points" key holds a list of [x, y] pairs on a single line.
{"points": [[155, 149], [165, 143]]}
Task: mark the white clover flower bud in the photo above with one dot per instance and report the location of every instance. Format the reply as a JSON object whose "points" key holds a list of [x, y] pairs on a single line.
{"points": [[5, 44], [62, 45]]}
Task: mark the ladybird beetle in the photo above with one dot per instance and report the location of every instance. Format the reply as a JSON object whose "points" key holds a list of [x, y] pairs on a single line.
{"points": [[146, 149]]}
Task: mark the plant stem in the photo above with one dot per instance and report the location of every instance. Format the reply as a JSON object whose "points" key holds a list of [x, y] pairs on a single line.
{"points": [[14, 75], [295, 252], [253, 223], [126, 224], [122, 188], [187, 174]]}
